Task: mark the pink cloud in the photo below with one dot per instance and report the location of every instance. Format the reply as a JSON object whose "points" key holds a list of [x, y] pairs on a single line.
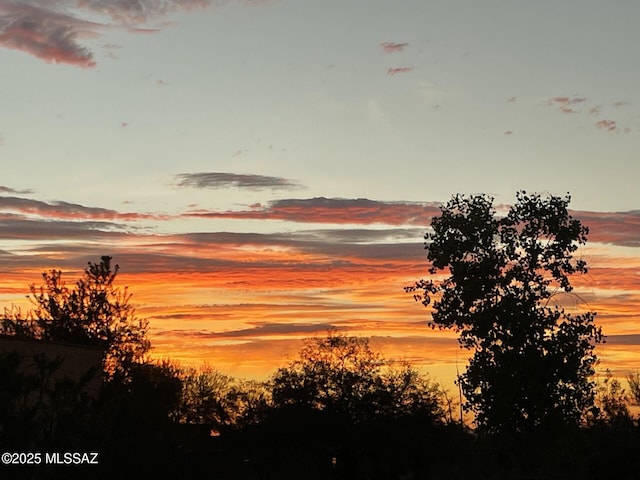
{"points": [[391, 47], [45, 34], [332, 210], [566, 109], [609, 125], [70, 211], [51, 30], [566, 100], [394, 71], [564, 103]]}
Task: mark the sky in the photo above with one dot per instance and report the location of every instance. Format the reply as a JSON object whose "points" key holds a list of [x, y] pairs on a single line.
{"points": [[263, 170]]}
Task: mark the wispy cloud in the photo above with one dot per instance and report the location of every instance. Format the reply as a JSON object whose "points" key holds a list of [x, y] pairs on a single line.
{"points": [[333, 210], [392, 47], [264, 329], [396, 70], [52, 30], [66, 210], [226, 180], [135, 12], [4, 189], [621, 103], [45, 33], [566, 100], [609, 125], [564, 103], [618, 228], [16, 227]]}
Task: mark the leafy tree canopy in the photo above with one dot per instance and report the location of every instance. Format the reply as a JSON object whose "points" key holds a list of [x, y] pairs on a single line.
{"points": [[343, 375], [495, 281], [92, 312]]}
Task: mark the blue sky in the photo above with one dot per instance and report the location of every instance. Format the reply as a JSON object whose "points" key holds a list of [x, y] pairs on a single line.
{"points": [[301, 90], [167, 118]]}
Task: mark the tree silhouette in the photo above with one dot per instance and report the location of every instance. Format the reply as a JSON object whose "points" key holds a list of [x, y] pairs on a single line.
{"points": [[344, 376], [612, 403], [633, 379], [532, 361], [205, 398], [221, 402], [93, 312]]}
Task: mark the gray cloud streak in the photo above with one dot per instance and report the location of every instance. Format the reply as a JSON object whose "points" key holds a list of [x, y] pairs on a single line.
{"points": [[5, 189], [226, 180]]}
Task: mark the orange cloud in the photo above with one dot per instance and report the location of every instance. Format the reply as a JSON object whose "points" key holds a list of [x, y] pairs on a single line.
{"points": [[242, 300], [619, 228]]}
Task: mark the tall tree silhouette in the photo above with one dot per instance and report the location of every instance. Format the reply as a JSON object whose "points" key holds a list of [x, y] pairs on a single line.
{"points": [[92, 312], [532, 361]]}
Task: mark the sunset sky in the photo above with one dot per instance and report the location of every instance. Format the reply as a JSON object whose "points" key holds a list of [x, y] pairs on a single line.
{"points": [[265, 170]]}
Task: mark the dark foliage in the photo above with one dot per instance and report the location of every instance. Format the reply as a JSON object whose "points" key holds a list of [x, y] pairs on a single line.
{"points": [[92, 312], [339, 411], [532, 360], [344, 376]]}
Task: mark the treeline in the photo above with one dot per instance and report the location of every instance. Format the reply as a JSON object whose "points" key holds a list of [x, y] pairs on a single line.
{"points": [[310, 420], [319, 414]]}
